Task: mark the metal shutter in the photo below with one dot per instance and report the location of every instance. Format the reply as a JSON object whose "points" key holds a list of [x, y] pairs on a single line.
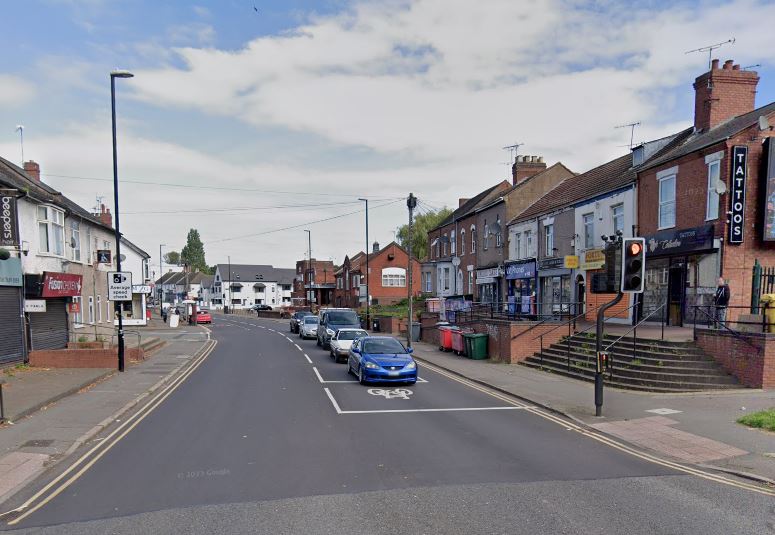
{"points": [[48, 330], [11, 326]]}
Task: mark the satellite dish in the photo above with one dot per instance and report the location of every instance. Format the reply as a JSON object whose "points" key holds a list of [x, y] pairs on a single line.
{"points": [[764, 124], [456, 261], [121, 257], [5, 254], [720, 186]]}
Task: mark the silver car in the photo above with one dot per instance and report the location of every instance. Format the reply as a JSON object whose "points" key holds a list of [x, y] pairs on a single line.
{"points": [[341, 341], [308, 328]]}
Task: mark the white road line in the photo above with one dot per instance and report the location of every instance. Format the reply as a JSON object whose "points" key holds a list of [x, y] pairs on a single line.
{"points": [[512, 408], [318, 374], [307, 357], [333, 401], [297, 347], [291, 341], [273, 330], [320, 378], [261, 327]]}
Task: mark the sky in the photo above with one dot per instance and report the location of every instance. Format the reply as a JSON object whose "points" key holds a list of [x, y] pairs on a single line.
{"points": [[252, 121]]}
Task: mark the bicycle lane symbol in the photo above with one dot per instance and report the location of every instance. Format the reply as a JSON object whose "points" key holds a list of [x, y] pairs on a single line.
{"points": [[396, 393]]}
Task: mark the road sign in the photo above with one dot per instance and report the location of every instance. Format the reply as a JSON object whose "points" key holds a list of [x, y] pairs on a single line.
{"points": [[120, 285], [103, 256]]}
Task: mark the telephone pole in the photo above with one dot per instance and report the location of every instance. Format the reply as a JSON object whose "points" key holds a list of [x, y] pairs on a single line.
{"points": [[411, 203]]}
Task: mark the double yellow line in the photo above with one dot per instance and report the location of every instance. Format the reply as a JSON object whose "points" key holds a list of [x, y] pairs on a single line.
{"points": [[594, 435], [88, 459]]}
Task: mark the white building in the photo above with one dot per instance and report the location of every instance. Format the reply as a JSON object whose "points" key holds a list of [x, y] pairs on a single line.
{"points": [[249, 285], [136, 261]]}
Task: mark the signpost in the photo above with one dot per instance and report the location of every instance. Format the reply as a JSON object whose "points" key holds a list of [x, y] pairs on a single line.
{"points": [[120, 285], [103, 256]]}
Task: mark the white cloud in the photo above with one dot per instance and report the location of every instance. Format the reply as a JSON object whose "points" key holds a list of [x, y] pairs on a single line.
{"points": [[14, 91]]}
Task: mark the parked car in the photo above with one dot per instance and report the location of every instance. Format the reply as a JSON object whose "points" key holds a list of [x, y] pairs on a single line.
{"points": [[381, 359], [257, 308], [296, 319], [342, 340], [308, 327], [203, 316], [332, 319]]}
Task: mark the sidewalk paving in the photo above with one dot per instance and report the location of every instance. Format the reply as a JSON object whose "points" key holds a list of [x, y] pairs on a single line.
{"points": [[698, 428]]}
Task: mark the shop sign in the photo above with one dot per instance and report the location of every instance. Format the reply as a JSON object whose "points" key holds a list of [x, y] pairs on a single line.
{"points": [[74, 308], [593, 259], [141, 289], [571, 262], [493, 272], [524, 270], [737, 193], [11, 272], [103, 256], [34, 305], [769, 205], [9, 228], [669, 242], [61, 285], [551, 263]]}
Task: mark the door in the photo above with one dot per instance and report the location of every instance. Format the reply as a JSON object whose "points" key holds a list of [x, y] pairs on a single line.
{"points": [[581, 293], [676, 289], [11, 326], [48, 330]]}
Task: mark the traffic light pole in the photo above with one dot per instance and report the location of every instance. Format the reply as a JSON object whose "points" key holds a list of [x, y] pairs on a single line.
{"points": [[601, 360]]}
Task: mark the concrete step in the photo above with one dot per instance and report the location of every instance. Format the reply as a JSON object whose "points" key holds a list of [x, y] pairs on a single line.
{"points": [[665, 366], [700, 361]]}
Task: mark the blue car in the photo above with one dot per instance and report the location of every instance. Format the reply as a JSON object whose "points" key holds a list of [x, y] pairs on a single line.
{"points": [[381, 359]]}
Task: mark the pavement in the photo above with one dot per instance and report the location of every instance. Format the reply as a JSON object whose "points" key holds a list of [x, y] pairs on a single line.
{"points": [[267, 434], [698, 428]]}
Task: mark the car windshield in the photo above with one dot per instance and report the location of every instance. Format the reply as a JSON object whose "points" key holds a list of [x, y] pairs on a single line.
{"points": [[351, 335], [310, 319], [343, 316], [383, 346]]}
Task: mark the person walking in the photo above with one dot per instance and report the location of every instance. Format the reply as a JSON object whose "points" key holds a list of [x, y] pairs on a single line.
{"points": [[721, 302]]}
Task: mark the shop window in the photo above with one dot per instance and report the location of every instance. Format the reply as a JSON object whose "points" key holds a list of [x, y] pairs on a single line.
{"points": [[714, 173], [667, 202], [51, 229], [617, 218], [589, 230]]}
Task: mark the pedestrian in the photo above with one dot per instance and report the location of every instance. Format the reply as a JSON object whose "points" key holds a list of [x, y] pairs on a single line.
{"points": [[164, 314], [721, 302]]}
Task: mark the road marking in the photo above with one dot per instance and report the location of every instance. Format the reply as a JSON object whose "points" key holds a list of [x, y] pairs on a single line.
{"points": [[105, 445], [333, 401], [461, 409], [307, 357], [663, 411], [299, 348], [396, 393], [291, 341]]}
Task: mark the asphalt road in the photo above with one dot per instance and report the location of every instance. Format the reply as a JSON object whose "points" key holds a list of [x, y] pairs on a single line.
{"points": [[269, 435]]}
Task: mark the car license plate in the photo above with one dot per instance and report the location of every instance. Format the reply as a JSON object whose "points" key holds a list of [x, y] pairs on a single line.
{"points": [[394, 374]]}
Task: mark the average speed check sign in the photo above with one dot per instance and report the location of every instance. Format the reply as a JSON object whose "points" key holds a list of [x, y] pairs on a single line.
{"points": [[120, 285]]}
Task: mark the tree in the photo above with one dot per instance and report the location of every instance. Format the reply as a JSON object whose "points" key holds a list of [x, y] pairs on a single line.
{"points": [[173, 257], [193, 254], [423, 223]]}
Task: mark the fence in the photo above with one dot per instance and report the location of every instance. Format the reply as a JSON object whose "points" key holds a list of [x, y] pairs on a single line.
{"points": [[762, 282]]}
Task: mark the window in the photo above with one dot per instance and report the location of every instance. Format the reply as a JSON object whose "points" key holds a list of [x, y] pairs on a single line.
{"points": [[77, 316], [498, 234], [444, 241], [617, 217], [91, 310], [394, 277], [518, 245], [107, 311], [549, 231], [428, 283], [438, 247], [528, 244], [462, 242], [99, 309], [51, 227], [486, 238], [89, 256], [473, 239], [446, 278], [589, 230], [471, 281], [75, 240], [452, 243], [714, 173], [356, 281], [667, 202]]}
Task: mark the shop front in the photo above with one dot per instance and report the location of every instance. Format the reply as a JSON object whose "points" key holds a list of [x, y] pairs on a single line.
{"points": [[682, 267], [48, 328], [488, 282], [12, 346], [554, 287], [521, 287]]}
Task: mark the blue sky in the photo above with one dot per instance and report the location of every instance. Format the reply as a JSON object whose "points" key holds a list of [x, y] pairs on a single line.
{"points": [[341, 99]]}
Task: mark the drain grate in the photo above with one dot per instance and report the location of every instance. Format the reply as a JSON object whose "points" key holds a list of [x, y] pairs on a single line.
{"points": [[39, 443]]}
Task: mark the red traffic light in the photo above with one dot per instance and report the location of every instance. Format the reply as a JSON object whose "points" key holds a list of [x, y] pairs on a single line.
{"points": [[635, 248]]}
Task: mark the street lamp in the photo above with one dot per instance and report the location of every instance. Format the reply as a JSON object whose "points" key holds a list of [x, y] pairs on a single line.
{"points": [[309, 267], [368, 314], [113, 76], [161, 276]]}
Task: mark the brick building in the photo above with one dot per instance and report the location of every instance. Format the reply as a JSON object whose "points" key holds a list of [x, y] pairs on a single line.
{"points": [[694, 229], [314, 282]]}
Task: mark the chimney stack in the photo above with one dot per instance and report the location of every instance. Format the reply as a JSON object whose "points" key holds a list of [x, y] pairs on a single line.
{"points": [[375, 247], [105, 216], [33, 170], [721, 94], [526, 166]]}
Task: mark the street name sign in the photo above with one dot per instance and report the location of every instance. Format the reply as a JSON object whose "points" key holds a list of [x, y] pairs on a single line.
{"points": [[120, 285]]}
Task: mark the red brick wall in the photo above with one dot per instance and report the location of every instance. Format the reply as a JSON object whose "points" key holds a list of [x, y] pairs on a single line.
{"points": [[390, 294], [620, 310], [755, 369], [731, 92], [82, 358]]}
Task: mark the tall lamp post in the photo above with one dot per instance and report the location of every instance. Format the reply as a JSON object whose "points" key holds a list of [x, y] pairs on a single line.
{"points": [[309, 267], [161, 276], [368, 312], [113, 76]]}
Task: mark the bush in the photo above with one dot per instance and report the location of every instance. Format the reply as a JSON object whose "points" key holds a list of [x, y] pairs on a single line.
{"points": [[762, 419]]}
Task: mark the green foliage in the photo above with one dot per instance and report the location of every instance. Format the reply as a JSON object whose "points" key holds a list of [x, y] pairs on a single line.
{"points": [[423, 223], [173, 257], [193, 254], [762, 419]]}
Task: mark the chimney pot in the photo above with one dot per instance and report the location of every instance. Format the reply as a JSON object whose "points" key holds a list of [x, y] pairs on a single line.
{"points": [[736, 67], [714, 64], [721, 94], [728, 64], [375, 247], [32, 169], [540, 159]]}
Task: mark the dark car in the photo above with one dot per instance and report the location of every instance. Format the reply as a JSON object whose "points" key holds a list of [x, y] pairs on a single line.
{"points": [[297, 318], [333, 319], [381, 359], [258, 308]]}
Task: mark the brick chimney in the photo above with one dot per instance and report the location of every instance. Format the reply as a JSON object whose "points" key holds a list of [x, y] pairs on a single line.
{"points": [[375, 247], [526, 166], [33, 170], [723, 93], [462, 201], [105, 217]]}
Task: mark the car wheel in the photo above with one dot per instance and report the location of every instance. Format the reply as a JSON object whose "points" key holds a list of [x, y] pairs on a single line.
{"points": [[361, 378]]}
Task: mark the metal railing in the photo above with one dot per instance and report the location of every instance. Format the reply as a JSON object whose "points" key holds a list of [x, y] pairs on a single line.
{"points": [[634, 330], [710, 318], [724, 326], [506, 311]]}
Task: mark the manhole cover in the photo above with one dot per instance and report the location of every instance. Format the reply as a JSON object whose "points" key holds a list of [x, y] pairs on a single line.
{"points": [[40, 443]]}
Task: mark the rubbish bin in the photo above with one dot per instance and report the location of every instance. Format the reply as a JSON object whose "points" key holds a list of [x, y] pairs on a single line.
{"points": [[476, 345], [415, 331], [445, 337], [768, 301], [459, 341], [375, 325]]}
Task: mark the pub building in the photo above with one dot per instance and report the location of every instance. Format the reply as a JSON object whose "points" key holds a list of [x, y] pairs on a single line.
{"points": [[701, 204]]}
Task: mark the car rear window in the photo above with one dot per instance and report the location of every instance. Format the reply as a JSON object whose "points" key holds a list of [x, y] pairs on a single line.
{"points": [[310, 319], [343, 317], [352, 335], [383, 346]]}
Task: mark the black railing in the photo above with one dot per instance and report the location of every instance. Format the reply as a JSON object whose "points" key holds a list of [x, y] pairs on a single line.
{"points": [[634, 331], [709, 317], [722, 325], [513, 311]]}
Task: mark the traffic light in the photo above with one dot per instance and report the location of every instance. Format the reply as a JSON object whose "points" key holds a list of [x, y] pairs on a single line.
{"points": [[633, 264]]}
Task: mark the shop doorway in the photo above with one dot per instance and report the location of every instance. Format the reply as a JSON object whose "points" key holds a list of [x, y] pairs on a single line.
{"points": [[581, 292], [676, 290]]}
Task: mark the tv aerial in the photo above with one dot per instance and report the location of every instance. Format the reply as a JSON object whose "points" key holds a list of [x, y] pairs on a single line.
{"points": [[632, 130], [710, 48]]}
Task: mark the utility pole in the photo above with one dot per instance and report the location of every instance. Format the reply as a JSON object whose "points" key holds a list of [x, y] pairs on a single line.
{"points": [[309, 266], [161, 279], [368, 313], [229, 309], [411, 203]]}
